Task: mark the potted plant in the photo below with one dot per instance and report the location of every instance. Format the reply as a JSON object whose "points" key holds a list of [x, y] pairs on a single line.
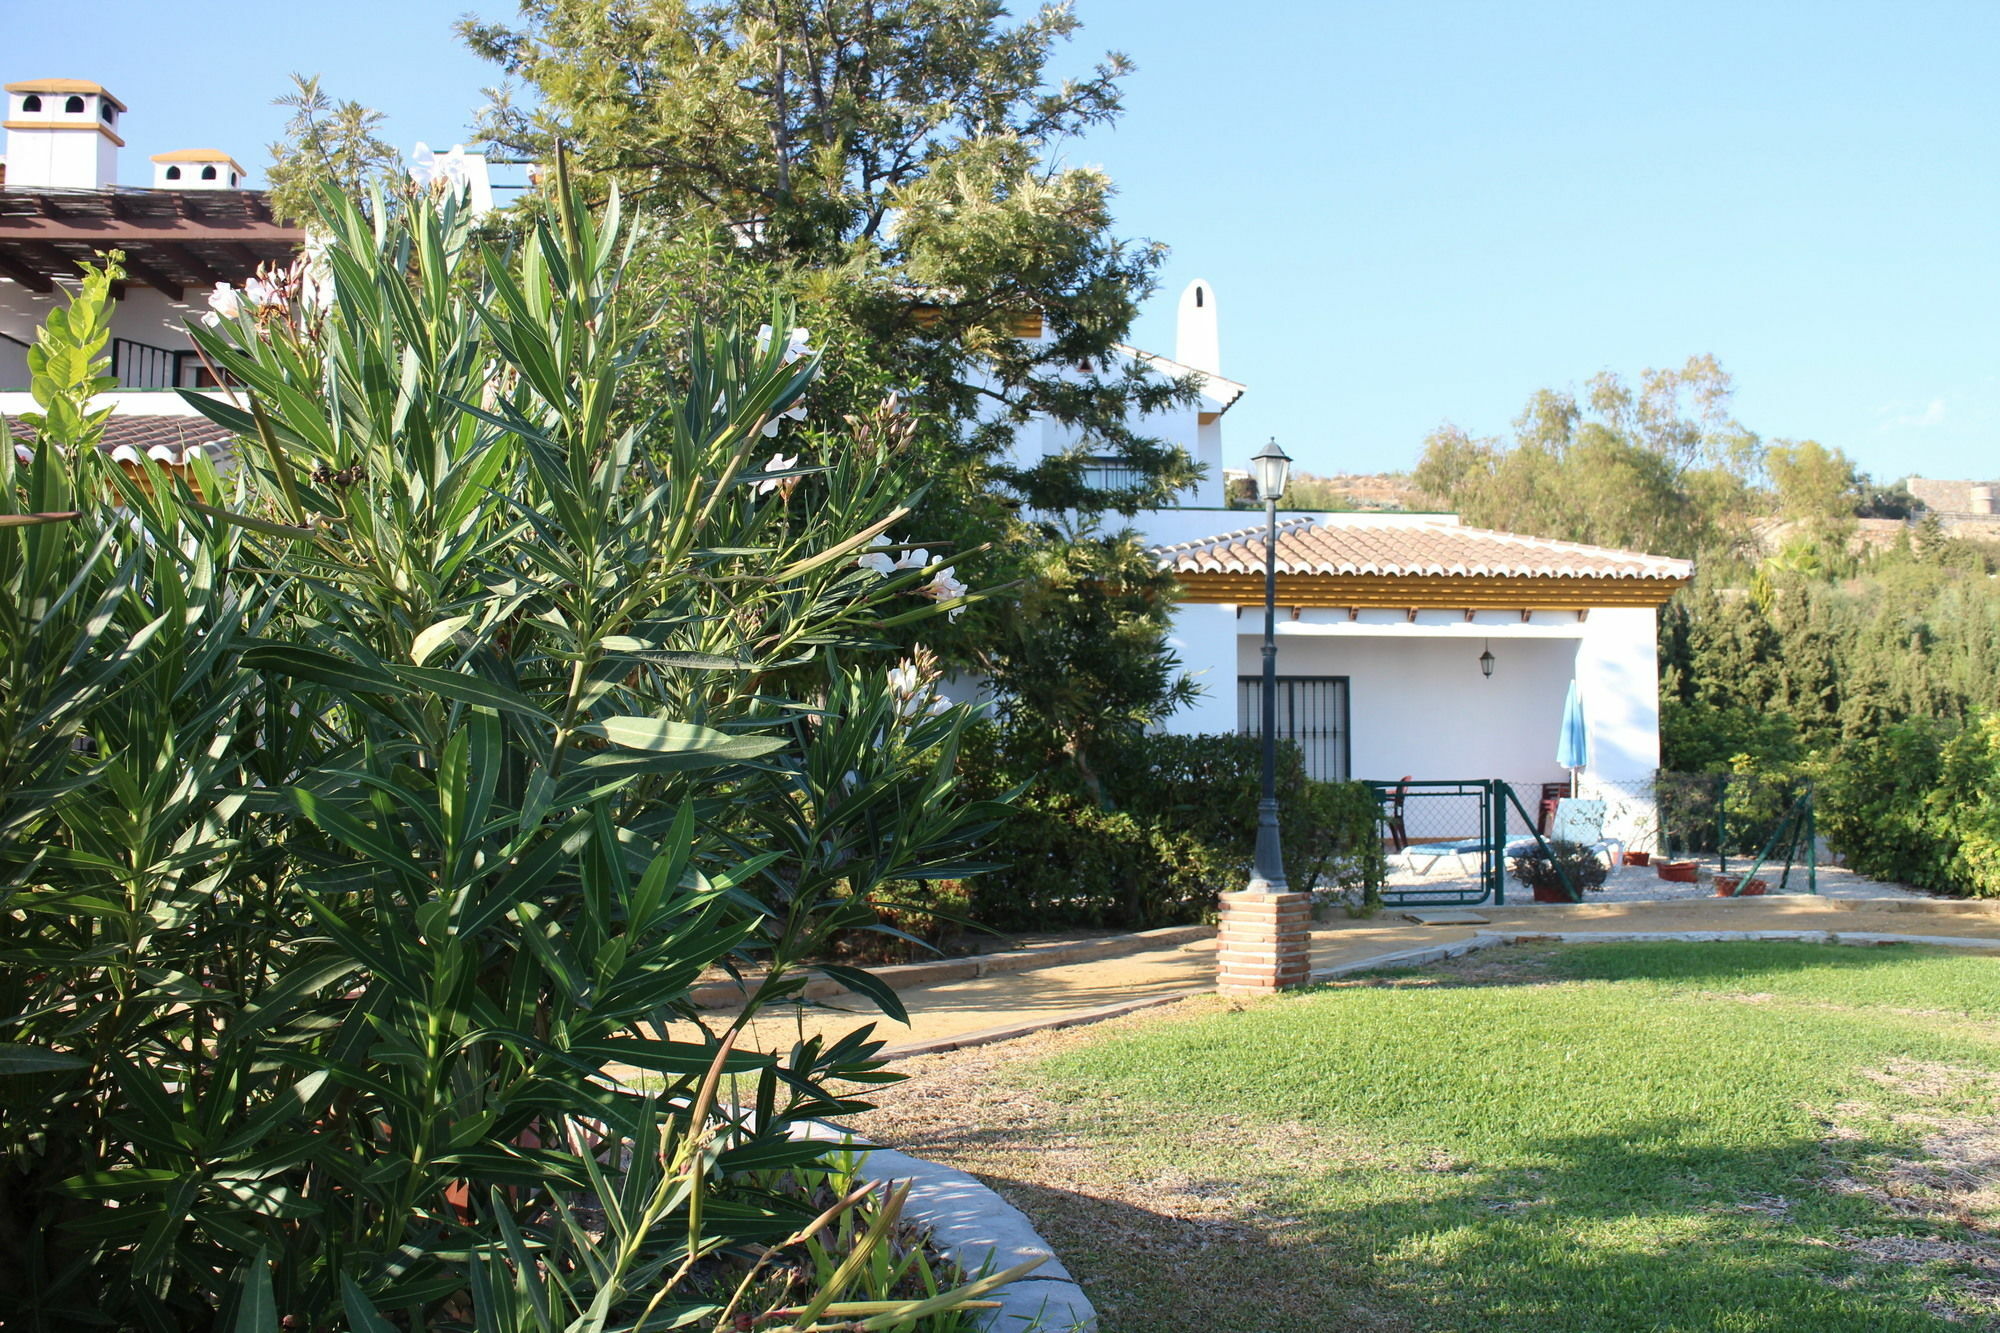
{"points": [[1545, 871], [1637, 858]]}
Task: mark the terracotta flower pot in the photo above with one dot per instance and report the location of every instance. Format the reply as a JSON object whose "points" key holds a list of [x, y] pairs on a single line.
{"points": [[1677, 872], [1550, 893], [1638, 858], [1725, 887]]}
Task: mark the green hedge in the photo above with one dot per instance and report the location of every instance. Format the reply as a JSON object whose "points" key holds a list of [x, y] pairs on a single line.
{"points": [[1178, 825], [1919, 804]]}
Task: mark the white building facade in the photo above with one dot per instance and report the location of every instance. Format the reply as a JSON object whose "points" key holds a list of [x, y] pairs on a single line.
{"points": [[1408, 644]]}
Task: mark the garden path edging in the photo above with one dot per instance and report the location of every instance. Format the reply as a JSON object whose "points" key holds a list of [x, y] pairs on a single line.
{"points": [[902, 976], [1437, 953], [971, 1225]]}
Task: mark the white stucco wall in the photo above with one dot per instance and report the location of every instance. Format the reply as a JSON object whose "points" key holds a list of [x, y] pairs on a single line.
{"points": [[1418, 704], [143, 315]]}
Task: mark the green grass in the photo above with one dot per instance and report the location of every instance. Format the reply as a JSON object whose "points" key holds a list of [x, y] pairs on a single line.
{"points": [[1545, 1139]]}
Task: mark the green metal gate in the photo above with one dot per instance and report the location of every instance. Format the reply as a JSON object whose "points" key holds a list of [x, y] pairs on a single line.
{"points": [[1461, 818], [1469, 819]]}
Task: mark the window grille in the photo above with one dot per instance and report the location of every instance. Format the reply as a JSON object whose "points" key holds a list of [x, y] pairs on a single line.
{"points": [[1312, 712]]}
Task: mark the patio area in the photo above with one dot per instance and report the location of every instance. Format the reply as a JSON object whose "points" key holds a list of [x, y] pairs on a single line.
{"points": [[1633, 884]]}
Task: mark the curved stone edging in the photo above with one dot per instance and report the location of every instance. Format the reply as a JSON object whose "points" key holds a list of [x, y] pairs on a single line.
{"points": [[975, 1228]]}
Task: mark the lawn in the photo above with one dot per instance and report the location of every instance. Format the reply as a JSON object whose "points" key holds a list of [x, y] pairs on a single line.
{"points": [[1546, 1138]]}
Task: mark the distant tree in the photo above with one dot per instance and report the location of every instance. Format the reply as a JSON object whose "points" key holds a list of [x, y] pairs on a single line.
{"points": [[325, 143], [891, 170], [1659, 467], [1817, 487], [1886, 501], [892, 164]]}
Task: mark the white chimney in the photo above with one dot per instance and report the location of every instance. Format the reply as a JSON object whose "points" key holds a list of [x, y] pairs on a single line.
{"points": [[1196, 343], [62, 134], [197, 169]]}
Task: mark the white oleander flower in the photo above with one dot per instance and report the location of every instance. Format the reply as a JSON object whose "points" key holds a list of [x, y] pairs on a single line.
{"points": [[944, 588], [797, 412], [917, 559], [225, 302], [264, 293], [776, 463], [23, 454], [875, 560], [450, 170], [798, 344]]}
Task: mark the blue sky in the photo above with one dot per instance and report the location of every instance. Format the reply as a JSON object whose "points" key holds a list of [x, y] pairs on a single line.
{"points": [[1412, 212]]}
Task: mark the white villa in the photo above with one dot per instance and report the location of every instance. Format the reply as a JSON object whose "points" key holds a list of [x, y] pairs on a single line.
{"points": [[196, 226], [1408, 644]]}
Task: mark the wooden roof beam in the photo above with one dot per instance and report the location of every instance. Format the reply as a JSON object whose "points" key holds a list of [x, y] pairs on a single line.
{"points": [[155, 279], [194, 264], [107, 232], [31, 279]]}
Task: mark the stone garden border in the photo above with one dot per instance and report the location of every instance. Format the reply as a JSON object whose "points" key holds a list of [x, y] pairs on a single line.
{"points": [[975, 1228]]}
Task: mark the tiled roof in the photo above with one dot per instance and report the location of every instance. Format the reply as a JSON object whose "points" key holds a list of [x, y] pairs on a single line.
{"points": [[1419, 549], [146, 433]]}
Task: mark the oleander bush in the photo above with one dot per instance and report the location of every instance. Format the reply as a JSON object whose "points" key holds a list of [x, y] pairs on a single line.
{"points": [[361, 808]]}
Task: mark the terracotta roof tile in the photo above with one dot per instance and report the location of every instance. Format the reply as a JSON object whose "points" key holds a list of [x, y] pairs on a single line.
{"points": [[144, 433], [1372, 546]]}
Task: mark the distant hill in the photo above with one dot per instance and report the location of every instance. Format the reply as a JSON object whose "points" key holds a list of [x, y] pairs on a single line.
{"points": [[1376, 491]]}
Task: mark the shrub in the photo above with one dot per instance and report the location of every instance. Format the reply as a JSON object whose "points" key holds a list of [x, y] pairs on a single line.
{"points": [[1873, 802], [354, 824], [1071, 863], [1966, 804], [1181, 827], [1565, 866]]}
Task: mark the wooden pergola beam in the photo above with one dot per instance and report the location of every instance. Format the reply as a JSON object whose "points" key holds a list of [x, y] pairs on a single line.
{"points": [[155, 279], [108, 232], [34, 281], [193, 263]]}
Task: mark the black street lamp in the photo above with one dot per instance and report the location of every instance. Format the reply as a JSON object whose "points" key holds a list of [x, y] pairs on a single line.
{"points": [[1271, 466]]}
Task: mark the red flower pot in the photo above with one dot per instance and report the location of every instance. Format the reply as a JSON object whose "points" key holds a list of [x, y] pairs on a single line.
{"points": [[1550, 893], [1676, 872], [1638, 858], [1725, 887]]}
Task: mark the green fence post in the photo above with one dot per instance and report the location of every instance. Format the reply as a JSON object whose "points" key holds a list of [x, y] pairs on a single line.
{"points": [[1722, 821], [1499, 795], [1812, 841]]}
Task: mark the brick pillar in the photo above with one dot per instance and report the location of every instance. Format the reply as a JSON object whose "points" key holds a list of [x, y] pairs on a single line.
{"points": [[1265, 942]]}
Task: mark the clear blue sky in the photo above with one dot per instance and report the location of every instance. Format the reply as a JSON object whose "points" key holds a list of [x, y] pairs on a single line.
{"points": [[1412, 212]]}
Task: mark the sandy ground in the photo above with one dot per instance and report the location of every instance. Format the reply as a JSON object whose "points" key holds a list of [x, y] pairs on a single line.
{"points": [[1056, 994]]}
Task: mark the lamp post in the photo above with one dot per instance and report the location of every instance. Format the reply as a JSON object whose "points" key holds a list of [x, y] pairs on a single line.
{"points": [[1271, 466]]}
